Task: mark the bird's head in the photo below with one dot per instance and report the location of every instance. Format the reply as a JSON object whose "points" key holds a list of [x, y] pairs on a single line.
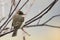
{"points": [[20, 12]]}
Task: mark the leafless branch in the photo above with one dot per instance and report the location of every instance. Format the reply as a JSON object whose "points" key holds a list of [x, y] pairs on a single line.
{"points": [[24, 4], [10, 10], [6, 33], [41, 12], [44, 24], [32, 26], [13, 12], [41, 15], [51, 18], [36, 26], [35, 20], [10, 15]]}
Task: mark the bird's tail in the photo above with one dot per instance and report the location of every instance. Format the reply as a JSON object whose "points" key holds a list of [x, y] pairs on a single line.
{"points": [[14, 33]]}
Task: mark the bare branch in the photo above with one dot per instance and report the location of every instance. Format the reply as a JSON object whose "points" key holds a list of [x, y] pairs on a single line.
{"points": [[13, 12], [38, 14], [10, 10], [10, 15], [5, 26], [32, 26], [11, 18], [6, 33], [33, 20], [42, 25], [24, 4], [41, 12], [41, 15], [51, 18], [51, 26], [13, 3]]}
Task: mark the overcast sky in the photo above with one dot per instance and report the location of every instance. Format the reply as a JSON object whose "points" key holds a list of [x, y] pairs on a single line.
{"points": [[37, 33]]}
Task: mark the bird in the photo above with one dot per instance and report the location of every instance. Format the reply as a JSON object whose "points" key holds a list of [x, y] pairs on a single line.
{"points": [[18, 19]]}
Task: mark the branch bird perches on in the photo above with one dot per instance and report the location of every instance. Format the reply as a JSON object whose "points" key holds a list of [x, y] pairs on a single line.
{"points": [[38, 25], [44, 24]]}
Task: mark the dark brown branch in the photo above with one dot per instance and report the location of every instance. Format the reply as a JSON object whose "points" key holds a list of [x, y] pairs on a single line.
{"points": [[5, 26], [36, 26], [32, 26], [42, 25], [6, 33], [41, 12], [24, 4], [10, 10], [20, 9], [41, 15], [10, 15], [11, 18], [33, 20]]}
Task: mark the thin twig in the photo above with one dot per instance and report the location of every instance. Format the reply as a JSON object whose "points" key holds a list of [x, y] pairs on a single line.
{"points": [[42, 25], [2, 19], [38, 22], [10, 10], [51, 18], [51, 26]]}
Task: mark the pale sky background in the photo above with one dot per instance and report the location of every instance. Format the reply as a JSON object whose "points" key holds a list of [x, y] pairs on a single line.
{"points": [[37, 33]]}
